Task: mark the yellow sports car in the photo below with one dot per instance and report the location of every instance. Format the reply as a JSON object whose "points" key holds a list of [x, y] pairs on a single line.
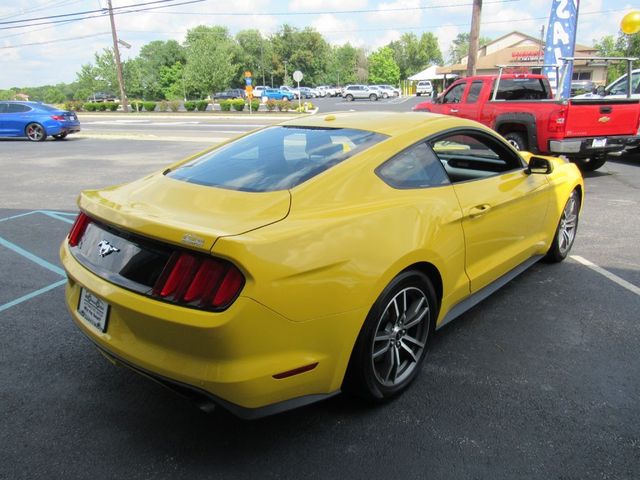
{"points": [[311, 257]]}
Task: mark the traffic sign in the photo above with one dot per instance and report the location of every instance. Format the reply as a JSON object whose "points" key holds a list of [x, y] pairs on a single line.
{"points": [[297, 75]]}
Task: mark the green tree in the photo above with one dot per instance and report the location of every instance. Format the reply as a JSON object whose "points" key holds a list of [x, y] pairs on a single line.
{"points": [[362, 65], [413, 54], [460, 47], [171, 81], [153, 57], [305, 50], [253, 55], [383, 68], [211, 55], [341, 69]]}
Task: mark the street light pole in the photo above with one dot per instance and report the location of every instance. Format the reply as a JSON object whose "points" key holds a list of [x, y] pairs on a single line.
{"points": [[116, 51]]}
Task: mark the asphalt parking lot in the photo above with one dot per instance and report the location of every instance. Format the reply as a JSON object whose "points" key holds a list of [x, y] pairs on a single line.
{"points": [[540, 381]]}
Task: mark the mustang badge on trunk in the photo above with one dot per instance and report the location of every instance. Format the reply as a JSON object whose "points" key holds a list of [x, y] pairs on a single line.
{"points": [[105, 248]]}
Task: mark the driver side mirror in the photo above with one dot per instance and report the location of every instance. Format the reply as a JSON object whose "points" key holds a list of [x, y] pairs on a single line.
{"points": [[539, 165], [601, 91]]}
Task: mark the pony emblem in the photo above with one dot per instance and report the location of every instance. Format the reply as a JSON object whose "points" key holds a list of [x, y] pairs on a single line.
{"points": [[105, 248]]}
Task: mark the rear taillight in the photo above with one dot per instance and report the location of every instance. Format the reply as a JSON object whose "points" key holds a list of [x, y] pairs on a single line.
{"points": [[58, 117], [557, 120], [78, 229], [203, 282]]}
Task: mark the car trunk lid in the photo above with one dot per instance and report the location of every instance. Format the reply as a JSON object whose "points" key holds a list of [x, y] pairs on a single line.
{"points": [[182, 213], [592, 118]]}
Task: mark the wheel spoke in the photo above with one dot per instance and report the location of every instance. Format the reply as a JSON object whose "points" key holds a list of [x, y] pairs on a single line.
{"points": [[382, 351], [409, 351], [381, 338], [396, 353], [392, 362], [415, 341], [416, 320]]}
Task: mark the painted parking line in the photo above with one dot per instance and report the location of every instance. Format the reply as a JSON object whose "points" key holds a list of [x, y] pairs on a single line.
{"points": [[31, 295], [606, 273], [60, 216]]}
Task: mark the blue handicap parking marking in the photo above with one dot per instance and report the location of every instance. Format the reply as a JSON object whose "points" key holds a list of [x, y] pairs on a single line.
{"points": [[29, 244]]}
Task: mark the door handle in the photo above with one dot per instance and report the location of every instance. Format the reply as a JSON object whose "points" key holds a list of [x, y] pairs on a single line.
{"points": [[479, 210]]}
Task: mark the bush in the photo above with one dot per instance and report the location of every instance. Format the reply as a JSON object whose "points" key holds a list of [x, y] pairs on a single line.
{"points": [[149, 106], [238, 104], [255, 104], [271, 105], [102, 106], [74, 105], [89, 107], [201, 105], [111, 106], [225, 105], [189, 106], [284, 105], [163, 105], [136, 105], [174, 105]]}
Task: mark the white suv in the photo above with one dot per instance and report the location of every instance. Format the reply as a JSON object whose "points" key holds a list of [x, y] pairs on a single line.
{"points": [[351, 92], [424, 88]]}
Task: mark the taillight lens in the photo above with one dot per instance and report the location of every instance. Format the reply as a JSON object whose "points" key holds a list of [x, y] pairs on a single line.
{"points": [[78, 229], [60, 118], [557, 120], [203, 282]]}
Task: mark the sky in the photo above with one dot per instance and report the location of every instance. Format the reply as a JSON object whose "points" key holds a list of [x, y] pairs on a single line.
{"points": [[53, 53]]}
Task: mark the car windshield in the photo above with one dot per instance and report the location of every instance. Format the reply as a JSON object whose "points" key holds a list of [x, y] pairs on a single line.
{"points": [[276, 158]]}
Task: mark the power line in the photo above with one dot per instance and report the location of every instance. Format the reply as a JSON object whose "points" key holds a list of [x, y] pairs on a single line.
{"points": [[102, 14], [46, 6], [424, 27]]}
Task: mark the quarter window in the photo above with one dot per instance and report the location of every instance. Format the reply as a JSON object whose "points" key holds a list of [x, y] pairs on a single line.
{"points": [[17, 108], [474, 92], [416, 167]]}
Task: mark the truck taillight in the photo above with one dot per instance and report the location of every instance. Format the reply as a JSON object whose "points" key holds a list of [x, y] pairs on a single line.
{"points": [[202, 282], [557, 120]]}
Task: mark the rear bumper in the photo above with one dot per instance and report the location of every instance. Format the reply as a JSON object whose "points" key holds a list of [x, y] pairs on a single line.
{"points": [[589, 146], [231, 357]]}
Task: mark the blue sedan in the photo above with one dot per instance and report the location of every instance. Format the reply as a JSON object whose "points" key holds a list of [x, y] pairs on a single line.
{"points": [[276, 94], [36, 121]]}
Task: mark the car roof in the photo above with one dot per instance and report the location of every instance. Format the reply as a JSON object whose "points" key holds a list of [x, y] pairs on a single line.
{"points": [[388, 123]]}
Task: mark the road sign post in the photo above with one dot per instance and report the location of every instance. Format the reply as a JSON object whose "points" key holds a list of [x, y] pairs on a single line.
{"points": [[248, 88], [297, 76]]}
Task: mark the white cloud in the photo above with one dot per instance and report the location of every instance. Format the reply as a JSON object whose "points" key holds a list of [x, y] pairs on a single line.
{"points": [[327, 5], [405, 13], [338, 31], [445, 35], [389, 36]]}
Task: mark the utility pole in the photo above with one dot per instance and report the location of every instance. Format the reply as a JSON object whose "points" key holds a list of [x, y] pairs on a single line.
{"points": [[116, 51], [474, 37]]}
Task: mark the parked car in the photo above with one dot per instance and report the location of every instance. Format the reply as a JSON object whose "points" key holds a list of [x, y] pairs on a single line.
{"points": [[307, 92], [276, 94], [322, 90], [617, 88], [240, 278], [294, 91], [424, 87], [352, 92], [379, 91], [36, 121], [230, 94], [391, 91], [585, 130], [333, 91], [579, 87], [101, 97], [258, 89]]}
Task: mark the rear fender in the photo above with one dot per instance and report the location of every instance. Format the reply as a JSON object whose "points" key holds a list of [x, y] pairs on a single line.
{"points": [[519, 122]]}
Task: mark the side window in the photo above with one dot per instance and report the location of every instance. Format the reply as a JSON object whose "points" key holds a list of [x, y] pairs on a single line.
{"points": [[17, 108], [416, 167], [473, 155], [620, 87], [474, 92], [455, 94], [3, 107]]}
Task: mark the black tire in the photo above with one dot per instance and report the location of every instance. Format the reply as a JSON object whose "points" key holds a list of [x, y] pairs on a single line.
{"points": [[590, 164], [373, 97], [566, 230], [418, 94], [349, 98], [517, 140], [381, 364], [35, 132], [60, 136]]}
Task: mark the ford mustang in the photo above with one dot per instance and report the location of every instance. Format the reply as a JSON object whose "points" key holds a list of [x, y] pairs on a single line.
{"points": [[312, 257]]}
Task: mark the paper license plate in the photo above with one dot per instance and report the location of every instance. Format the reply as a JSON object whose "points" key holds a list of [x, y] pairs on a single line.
{"points": [[93, 309], [599, 142]]}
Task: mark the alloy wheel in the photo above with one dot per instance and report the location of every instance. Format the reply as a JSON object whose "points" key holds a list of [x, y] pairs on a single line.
{"points": [[401, 336], [568, 225]]}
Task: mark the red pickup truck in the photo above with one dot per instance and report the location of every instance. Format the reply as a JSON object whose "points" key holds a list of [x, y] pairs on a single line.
{"points": [[524, 112]]}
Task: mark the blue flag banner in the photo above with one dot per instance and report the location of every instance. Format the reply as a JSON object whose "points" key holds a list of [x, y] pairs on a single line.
{"points": [[561, 42]]}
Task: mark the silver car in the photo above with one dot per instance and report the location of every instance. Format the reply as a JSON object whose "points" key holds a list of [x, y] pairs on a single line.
{"points": [[352, 92]]}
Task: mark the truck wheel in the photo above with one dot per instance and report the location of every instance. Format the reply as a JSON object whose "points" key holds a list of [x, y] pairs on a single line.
{"points": [[516, 140], [590, 164]]}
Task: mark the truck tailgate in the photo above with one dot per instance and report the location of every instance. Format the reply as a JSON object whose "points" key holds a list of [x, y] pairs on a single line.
{"points": [[593, 118]]}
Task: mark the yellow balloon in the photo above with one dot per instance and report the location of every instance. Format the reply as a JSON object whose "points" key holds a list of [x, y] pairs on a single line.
{"points": [[630, 23]]}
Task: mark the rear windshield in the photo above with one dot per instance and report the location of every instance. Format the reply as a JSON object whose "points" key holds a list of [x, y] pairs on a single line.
{"points": [[276, 158], [522, 89]]}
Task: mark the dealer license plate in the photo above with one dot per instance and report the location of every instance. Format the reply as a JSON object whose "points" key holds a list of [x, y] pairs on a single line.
{"points": [[599, 142], [93, 309]]}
